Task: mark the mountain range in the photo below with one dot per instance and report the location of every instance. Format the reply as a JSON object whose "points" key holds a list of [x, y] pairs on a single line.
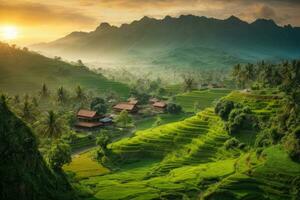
{"points": [[186, 41]]}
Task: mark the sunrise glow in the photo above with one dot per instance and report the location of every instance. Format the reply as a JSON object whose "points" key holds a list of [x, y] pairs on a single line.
{"points": [[9, 32]]}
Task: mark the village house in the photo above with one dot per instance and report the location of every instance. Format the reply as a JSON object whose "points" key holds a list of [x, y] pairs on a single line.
{"points": [[159, 105], [87, 119]]}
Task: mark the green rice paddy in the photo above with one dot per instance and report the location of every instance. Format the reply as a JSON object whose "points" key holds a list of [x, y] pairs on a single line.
{"points": [[187, 160], [201, 98]]}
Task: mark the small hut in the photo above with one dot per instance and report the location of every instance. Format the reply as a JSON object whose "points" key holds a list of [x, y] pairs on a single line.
{"points": [[160, 105], [87, 119]]}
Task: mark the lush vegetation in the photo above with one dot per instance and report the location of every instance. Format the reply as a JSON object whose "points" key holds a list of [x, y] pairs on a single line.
{"points": [[180, 160], [207, 144], [241, 149], [24, 173], [22, 71]]}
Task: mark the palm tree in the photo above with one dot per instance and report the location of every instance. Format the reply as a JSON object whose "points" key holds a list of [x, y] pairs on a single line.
{"points": [[51, 125], [26, 97], [80, 95], [236, 73], [249, 72], [44, 91], [61, 95], [267, 75], [27, 111], [16, 99], [35, 102]]}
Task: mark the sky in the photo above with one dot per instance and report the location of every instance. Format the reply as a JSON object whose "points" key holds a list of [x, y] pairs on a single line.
{"points": [[32, 21]]}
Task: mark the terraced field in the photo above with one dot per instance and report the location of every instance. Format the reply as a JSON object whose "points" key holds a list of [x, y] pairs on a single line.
{"points": [[161, 141], [203, 98], [275, 176], [85, 166], [188, 160]]}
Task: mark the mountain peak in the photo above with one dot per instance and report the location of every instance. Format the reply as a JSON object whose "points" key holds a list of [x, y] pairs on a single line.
{"points": [[265, 22], [234, 19], [188, 17], [167, 18], [105, 25]]}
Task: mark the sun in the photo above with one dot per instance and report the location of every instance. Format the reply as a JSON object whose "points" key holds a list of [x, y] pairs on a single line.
{"points": [[9, 32]]}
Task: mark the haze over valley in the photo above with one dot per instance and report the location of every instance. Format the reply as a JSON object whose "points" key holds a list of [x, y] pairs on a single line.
{"points": [[186, 42], [150, 100]]}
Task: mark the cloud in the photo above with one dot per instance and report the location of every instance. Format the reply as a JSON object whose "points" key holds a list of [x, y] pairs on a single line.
{"points": [[282, 11], [264, 11], [61, 17], [281, 15], [38, 14]]}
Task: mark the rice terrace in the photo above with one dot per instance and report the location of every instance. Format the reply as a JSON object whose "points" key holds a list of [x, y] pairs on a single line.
{"points": [[149, 100]]}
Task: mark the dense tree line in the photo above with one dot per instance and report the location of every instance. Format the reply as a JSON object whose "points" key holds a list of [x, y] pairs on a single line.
{"points": [[284, 78]]}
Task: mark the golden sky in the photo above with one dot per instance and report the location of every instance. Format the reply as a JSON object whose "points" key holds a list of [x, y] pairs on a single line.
{"points": [[43, 21]]}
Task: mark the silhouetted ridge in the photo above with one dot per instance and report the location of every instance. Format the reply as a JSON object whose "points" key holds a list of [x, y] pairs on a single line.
{"points": [[187, 41], [264, 23], [235, 20]]}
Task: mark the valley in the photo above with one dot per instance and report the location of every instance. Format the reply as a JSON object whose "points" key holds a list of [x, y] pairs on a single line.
{"points": [[157, 103]]}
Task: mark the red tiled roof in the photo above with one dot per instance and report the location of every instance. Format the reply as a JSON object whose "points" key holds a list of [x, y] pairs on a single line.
{"points": [[160, 104], [124, 106], [86, 113], [89, 124]]}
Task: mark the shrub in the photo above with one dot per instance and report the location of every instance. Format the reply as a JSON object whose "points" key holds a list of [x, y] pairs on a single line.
{"points": [[292, 145], [173, 108], [240, 118], [59, 155], [255, 86], [98, 105], [124, 119], [268, 137], [223, 108]]}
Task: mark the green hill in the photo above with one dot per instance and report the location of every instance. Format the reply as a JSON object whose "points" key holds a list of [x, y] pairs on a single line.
{"points": [[24, 174], [22, 71], [197, 158]]}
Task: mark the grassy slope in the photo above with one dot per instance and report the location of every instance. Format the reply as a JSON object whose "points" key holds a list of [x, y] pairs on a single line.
{"points": [[205, 98], [22, 71], [84, 166], [187, 160]]}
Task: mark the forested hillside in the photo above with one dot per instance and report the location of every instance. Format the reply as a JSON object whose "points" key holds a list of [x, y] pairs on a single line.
{"points": [[22, 71], [24, 173]]}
